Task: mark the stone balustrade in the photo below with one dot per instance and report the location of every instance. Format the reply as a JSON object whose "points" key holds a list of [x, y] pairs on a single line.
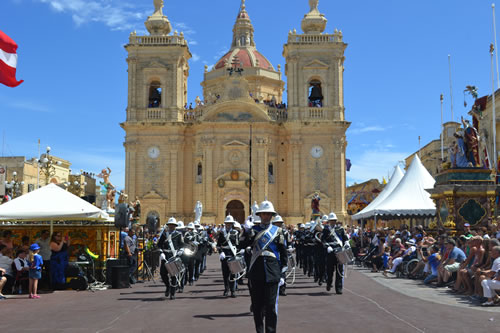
{"points": [[314, 39], [157, 40]]}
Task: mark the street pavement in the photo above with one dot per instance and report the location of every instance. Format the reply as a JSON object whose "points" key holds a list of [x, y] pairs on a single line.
{"points": [[370, 303]]}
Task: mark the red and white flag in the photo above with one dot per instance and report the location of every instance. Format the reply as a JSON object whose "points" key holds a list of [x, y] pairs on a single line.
{"points": [[8, 61]]}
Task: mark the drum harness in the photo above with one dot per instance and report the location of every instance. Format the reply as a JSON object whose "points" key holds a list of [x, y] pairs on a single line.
{"points": [[174, 251], [233, 250], [337, 239], [263, 250]]}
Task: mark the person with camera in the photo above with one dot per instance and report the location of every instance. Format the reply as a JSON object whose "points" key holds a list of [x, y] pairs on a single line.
{"points": [[334, 238], [172, 245]]}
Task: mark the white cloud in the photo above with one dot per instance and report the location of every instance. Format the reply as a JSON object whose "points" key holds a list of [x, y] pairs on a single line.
{"points": [[366, 129], [117, 15], [196, 57], [29, 106], [374, 164]]}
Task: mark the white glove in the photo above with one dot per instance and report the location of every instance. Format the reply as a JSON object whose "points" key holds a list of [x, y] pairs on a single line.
{"points": [[290, 249], [222, 256], [249, 249], [282, 282], [329, 249], [284, 269], [242, 252]]}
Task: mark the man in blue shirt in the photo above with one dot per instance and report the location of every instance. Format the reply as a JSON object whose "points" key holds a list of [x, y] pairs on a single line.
{"points": [[455, 257]]}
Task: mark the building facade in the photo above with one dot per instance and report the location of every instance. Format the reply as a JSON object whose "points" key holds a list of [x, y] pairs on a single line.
{"points": [[242, 143]]}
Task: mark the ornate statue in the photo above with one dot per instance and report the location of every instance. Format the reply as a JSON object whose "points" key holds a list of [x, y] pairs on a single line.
{"points": [[198, 210], [315, 206], [254, 209], [158, 6], [471, 143], [107, 189], [457, 152], [110, 199], [313, 4]]}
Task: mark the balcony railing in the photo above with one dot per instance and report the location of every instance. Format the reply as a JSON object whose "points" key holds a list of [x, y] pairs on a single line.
{"points": [[155, 114], [157, 40], [314, 39]]}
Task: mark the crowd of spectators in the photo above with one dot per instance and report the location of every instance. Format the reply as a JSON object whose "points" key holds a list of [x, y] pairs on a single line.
{"points": [[468, 263]]}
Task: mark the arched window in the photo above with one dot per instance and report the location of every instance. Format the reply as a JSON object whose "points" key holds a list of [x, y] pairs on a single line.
{"points": [[199, 174], [315, 94], [155, 91], [270, 173]]}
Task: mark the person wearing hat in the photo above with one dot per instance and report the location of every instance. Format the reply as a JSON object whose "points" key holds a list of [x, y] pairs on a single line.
{"points": [[467, 230], [278, 221], [203, 246], [35, 272], [308, 249], [172, 244], [452, 264], [298, 238], [227, 245], [267, 246], [190, 237], [334, 237], [407, 255], [319, 252]]}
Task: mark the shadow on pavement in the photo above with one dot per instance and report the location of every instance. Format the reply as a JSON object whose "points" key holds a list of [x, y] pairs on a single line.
{"points": [[229, 315]]}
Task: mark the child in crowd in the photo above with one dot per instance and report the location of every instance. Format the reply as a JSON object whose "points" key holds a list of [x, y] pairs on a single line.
{"points": [[35, 272], [385, 257]]}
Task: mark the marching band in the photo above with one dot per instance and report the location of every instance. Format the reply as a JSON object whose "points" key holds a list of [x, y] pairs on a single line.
{"points": [[262, 250]]}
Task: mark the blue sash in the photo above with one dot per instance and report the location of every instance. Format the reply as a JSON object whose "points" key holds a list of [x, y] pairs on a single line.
{"points": [[264, 238]]}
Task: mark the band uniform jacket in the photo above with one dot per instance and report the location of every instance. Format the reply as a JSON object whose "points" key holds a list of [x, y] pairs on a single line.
{"points": [[268, 267], [329, 239], [177, 242], [223, 244]]}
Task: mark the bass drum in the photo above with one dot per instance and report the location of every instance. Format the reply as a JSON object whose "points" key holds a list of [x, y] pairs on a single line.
{"points": [[79, 283]]}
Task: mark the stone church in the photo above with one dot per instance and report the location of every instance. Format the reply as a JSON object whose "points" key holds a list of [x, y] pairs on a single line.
{"points": [[242, 142]]}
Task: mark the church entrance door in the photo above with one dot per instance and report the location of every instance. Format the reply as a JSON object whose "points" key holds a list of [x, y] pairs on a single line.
{"points": [[237, 210]]}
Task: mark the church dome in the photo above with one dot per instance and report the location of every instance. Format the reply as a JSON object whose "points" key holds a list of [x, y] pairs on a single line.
{"points": [[245, 58]]}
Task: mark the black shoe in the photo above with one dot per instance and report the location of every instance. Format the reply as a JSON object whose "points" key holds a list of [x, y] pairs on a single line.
{"points": [[338, 291], [328, 287], [320, 282], [226, 292], [172, 297], [233, 295], [180, 291], [315, 279], [190, 283], [283, 293], [167, 292]]}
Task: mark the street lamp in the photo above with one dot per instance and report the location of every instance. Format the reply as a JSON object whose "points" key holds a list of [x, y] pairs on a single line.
{"points": [[15, 186], [75, 185], [47, 165]]}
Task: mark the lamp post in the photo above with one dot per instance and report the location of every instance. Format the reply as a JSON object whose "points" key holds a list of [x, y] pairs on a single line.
{"points": [[47, 165], [75, 185], [15, 186]]}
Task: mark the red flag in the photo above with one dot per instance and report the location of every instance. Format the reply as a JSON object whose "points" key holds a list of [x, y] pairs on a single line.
{"points": [[8, 61]]}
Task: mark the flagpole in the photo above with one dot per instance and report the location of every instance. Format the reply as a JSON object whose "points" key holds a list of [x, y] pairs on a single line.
{"points": [[38, 167], [442, 129], [493, 112], [495, 35], [451, 86]]}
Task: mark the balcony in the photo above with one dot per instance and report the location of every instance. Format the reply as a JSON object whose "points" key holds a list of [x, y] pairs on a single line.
{"points": [[314, 39], [157, 40], [156, 114]]}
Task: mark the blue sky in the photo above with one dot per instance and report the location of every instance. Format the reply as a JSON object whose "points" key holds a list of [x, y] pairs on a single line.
{"points": [[72, 59]]}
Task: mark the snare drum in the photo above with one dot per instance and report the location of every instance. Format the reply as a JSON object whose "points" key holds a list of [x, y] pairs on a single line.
{"points": [[236, 264], [174, 266], [344, 254]]}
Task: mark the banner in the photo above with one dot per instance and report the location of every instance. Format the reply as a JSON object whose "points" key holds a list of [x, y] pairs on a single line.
{"points": [[3, 175]]}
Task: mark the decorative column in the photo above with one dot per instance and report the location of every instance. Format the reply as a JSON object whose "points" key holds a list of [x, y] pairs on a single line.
{"points": [[130, 168], [208, 176], [296, 207], [173, 148], [262, 162]]}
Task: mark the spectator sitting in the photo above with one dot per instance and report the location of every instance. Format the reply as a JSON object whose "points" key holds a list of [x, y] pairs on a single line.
{"points": [[22, 267], [469, 266], [385, 258], [452, 264], [6, 269], [405, 256], [491, 283], [433, 260]]}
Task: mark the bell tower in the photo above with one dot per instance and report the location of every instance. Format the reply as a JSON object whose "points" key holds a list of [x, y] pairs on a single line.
{"points": [[316, 123], [157, 71]]}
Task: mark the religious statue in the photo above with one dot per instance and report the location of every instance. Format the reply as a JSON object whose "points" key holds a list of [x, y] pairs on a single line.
{"points": [[315, 206], [313, 4], [110, 199], [457, 152], [471, 140], [108, 189], [254, 209], [158, 6], [198, 210]]}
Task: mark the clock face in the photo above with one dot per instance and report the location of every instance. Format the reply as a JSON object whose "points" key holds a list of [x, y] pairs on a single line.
{"points": [[316, 151], [153, 152]]}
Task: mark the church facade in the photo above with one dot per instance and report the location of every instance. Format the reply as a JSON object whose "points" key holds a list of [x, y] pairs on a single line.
{"points": [[242, 143]]}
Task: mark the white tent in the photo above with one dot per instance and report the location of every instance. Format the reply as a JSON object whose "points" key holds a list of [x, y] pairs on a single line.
{"points": [[410, 197], [50, 203], [367, 212]]}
